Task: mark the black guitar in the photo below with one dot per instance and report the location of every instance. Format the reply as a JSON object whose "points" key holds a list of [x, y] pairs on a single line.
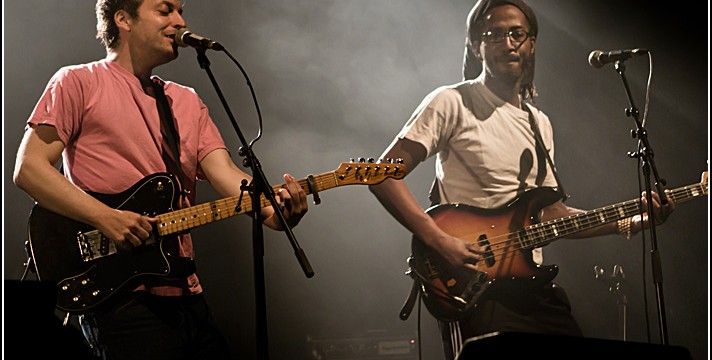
{"points": [[506, 234], [87, 267]]}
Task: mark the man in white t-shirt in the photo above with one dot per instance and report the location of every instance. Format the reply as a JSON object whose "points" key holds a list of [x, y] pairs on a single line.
{"points": [[481, 132]]}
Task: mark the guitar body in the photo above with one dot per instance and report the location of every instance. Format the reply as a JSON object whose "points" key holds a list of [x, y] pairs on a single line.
{"points": [[449, 293], [85, 265]]}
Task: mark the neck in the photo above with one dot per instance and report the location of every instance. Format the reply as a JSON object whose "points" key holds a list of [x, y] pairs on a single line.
{"points": [[507, 91], [125, 60]]}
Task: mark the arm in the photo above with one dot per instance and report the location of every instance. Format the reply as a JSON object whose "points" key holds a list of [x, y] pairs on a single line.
{"points": [[35, 174], [398, 200], [559, 210], [226, 178]]}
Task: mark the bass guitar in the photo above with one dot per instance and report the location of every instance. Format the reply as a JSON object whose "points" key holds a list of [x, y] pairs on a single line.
{"points": [[506, 235], [88, 268]]}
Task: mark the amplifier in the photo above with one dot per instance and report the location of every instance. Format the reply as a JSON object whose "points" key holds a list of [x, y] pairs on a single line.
{"points": [[363, 348]]}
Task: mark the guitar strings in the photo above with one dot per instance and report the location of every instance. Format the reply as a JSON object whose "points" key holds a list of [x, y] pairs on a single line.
{"points": [[206, 213], [537, 234], [202, 214]]}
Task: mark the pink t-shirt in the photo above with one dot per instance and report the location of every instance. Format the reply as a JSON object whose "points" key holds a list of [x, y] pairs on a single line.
{"points": [[111, 130]]}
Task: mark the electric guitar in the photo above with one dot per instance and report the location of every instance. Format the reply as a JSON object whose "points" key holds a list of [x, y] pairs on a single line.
{"points": [[506, 235], [88, 268]]}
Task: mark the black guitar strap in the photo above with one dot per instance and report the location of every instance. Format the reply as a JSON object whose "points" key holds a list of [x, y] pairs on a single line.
{"points": [[542, 154], [413, 295], [171, 140]]}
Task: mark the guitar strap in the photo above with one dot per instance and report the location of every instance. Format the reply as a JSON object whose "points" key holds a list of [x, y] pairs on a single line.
{"points": [[171, 141], [543, 154], [413, 295]]}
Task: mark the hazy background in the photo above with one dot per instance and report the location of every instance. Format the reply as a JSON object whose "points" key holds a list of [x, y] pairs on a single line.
{"points": [[336, 79]]}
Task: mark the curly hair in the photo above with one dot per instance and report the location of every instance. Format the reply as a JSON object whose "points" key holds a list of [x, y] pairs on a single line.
{"points": [[106, 29]]}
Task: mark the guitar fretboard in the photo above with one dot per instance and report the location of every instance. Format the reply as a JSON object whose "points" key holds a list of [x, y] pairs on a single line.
{"points": [[539, 234], [206, 213]]}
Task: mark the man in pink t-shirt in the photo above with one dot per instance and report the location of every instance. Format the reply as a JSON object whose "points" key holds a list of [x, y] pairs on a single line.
{"points": [[104, 121]]}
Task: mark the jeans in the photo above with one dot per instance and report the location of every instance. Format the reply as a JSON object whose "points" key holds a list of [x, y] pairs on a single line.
{"points": [[145, 326]]}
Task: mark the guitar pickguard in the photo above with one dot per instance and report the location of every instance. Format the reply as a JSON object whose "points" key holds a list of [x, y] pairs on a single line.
{"points": [[85, 265]]}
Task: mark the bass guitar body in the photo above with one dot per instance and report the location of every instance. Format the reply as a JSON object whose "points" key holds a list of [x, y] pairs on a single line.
{"points": [[448, 292]]}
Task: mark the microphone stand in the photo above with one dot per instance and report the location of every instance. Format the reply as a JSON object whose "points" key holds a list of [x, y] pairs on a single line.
{"points": [[259, 187], [645, 153]]}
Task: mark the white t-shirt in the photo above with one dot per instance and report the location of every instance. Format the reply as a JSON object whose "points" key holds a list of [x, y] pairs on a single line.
{"points": [[484, 147]]}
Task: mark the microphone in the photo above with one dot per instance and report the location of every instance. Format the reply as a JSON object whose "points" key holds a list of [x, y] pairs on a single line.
{"points": [[184, 37], [599, 58]]}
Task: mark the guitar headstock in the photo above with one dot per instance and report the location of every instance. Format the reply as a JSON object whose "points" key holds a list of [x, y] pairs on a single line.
{"points": [[369, 172]]}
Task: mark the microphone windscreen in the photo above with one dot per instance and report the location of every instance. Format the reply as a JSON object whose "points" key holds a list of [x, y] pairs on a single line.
{"points": [[594, 58], [179, 36]]}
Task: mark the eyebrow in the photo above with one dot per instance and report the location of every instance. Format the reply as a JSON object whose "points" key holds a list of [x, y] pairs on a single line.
{"points": [[171, 6]]}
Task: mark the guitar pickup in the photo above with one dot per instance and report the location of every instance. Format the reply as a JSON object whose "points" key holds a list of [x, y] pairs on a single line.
{"points": [[484, 243]]}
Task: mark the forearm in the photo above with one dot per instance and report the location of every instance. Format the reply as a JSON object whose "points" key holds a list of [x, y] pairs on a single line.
{"points": [[559, 210], [227, 180], [54, 192], [626, 227]]}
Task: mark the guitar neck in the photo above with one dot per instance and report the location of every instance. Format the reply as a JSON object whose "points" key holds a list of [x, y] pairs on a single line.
{"points": [[206, 213], [360, 173], [540, 234]]}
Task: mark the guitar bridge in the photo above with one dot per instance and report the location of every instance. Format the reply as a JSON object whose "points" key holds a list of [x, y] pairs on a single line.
{"points": [[94, 245], [475, 288]]}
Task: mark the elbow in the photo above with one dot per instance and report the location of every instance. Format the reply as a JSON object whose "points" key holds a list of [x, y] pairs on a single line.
{"points": [[24, 175], [374, 189], [383, 186], [20, 177]]}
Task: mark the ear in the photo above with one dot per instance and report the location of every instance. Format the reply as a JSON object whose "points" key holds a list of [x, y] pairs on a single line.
{"points": [[122, 20], [475, 49], [533, 40]]}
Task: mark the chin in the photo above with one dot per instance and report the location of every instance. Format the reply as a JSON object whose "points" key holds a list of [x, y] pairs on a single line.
{"points": [[169, 55]]}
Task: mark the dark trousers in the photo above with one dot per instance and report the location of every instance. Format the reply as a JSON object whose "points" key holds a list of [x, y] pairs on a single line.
{"points": [[544, 310], [145, 326]]}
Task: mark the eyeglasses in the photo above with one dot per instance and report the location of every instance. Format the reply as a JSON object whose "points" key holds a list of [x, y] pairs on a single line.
{"points": [[517, 36]]}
